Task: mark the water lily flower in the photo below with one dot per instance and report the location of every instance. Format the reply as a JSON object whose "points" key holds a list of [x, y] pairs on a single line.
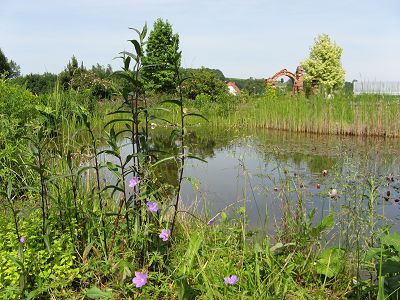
{"points": [[165, 234], [231, 280], [134, 182], [332, 193], [152, 207], [140, 279], [178, 143], [22, 240]]}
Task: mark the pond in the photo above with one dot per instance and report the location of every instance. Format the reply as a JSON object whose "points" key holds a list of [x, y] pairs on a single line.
{"points": [[264, 171]]}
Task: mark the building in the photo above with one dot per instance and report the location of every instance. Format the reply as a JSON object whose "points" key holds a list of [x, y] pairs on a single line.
{"points": [[233, 88]]}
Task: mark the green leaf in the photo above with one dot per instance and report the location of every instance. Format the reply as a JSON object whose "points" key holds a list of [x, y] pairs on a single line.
{"points": [[330, 262], [138, 32], [196, 157], [129, 54], [195, 115], [16, 261], [138, 47], [279, 248], [372, 253], [83, 169], [114, 187], [119, 112], [118, 120], [95, 293], [193, 183], [144, 32], [127, 62], [390, 266], [325, 223], [391, 240], [163, 160], [176, 102]]}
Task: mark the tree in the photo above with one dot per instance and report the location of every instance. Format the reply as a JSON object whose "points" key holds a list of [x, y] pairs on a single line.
{"points": [[162, 47], [323, 65], [4, 66], [203, 81], [70, 72], [8, 67], [38, 83]]}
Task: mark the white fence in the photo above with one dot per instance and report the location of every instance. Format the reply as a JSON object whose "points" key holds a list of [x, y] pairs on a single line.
{"points": [[376, 87]]}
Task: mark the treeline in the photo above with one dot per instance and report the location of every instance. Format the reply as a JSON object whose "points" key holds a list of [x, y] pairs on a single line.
{"points": [[97, 79]]}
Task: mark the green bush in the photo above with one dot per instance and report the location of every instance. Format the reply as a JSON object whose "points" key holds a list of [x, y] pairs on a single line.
{"points": [[204, 82], [100, 88], [38, 83], [18, 116], [42, 268]]}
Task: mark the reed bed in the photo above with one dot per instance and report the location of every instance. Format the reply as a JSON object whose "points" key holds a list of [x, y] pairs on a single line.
{"points": [[365, 115]]}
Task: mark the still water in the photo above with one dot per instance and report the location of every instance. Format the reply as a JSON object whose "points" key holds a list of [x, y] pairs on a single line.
{"points": [[264, 171]]}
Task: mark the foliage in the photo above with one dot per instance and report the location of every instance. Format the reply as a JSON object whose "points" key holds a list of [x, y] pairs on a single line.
{"points": [[18, 117], [386, 263], [102, 72], [99, 87], [8, 67], [203, 82], [324, 65], [38, 84], [162, 47], [252, 85], [45, 270], [78, 78], [71, 70], [187, 72]]}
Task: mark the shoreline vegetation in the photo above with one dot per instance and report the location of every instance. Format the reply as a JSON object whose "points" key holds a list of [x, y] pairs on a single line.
{"points": [[364, 115]]}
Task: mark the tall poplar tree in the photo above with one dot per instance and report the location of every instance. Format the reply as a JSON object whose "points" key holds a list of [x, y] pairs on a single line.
{"points": [[162, 46], [324, 65]]}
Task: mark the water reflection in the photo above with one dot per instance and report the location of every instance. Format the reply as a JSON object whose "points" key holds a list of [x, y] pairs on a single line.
{"points": [[264, 170]]}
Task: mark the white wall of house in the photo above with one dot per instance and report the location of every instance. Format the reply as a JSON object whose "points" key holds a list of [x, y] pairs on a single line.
{"points": [[232, 91]]}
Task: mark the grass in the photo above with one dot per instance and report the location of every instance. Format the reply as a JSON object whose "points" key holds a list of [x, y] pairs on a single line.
{"points": [[364, 115], [298, 262]]}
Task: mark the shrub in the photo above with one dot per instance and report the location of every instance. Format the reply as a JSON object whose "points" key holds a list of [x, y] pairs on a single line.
{"points": [[204, 81], [38, 83]]}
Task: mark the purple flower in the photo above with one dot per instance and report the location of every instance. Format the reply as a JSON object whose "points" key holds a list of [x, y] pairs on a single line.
{"points": [[140, 279], [231, 280], [152, 207], [22, 240], [212, 220], [134, 182], [165, 234]]}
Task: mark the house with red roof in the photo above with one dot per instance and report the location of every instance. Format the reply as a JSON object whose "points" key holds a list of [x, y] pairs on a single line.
{"points": [[233, 88]]}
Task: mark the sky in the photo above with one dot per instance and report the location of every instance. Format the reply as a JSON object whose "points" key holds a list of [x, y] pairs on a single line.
{"points": [[243, 39]]}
